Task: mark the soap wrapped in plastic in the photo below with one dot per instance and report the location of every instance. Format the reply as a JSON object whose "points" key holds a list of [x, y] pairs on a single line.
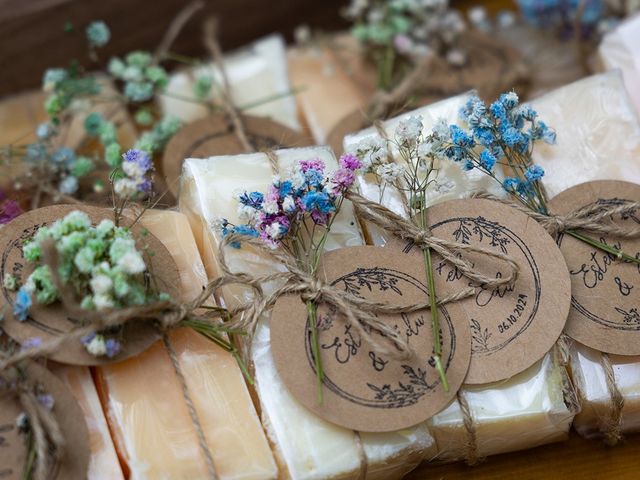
{"points": [[258, 79], [598, 134], [529, 409], [619, 50], [598, 138], [144, 397], [306, 446], [602, 381]]}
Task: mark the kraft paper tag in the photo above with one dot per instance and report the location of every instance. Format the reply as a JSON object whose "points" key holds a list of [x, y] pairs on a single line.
{"points": [[215, 135], [363, 389], [13, 444], [511, 328], [49, 321], [605, 305]]}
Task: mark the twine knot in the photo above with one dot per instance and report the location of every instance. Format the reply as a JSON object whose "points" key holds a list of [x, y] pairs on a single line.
{"points": [[314, 290]]}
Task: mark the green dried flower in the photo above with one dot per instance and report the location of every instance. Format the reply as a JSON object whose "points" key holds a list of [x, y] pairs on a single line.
{"points": [[92, 123], [98, 34], [40, 282], [81, 167]]}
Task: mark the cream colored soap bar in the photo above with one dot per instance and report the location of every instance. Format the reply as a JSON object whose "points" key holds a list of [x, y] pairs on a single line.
{"points": [[451, 182], [588, 371], [619, 50], [598, 133], [529, 409], [306, 446], [144, 400], [259, 84], [103, 464], [329, 93]]}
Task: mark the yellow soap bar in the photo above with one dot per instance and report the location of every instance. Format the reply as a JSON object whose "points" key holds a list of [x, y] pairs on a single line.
{"points": [[144, 398]]}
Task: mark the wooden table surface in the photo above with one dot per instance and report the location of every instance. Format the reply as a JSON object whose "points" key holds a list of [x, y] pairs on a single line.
{"points": [[576, 459]]}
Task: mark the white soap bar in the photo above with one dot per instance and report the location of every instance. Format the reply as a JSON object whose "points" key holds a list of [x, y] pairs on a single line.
{"points": [[529, 409], [598, 133], [144, 399], [257, 74], [104, 464], [306, 446], [451, 182], [598, 138], [589, 377], [619, 50]]}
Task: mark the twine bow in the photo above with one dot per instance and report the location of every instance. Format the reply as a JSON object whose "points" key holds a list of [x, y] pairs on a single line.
{"points": [[593, 218], [47, 435], [358, 312], [449, 250]]}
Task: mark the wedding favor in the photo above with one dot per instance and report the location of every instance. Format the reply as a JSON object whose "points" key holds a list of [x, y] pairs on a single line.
{"points": [[603, 137], [471, 426], [144, 398], [305, 445]]}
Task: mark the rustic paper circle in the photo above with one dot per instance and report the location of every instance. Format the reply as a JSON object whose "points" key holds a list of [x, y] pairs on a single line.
{"points": [[511, 329], [13, 451], [50, 321], [214, 135], [605, 304], [363, 389]]}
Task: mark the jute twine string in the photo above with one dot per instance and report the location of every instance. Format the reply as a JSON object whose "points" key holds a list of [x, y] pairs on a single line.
{"points": [[210, 32], [593, 218], [48, 438], [449, 250], [611, 426], [471, 445]]}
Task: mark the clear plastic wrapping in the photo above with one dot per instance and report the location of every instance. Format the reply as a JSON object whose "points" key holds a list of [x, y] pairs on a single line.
{"points": [[258, 78], [619, 50], [145, 403], [305, 446], [527, 410]]}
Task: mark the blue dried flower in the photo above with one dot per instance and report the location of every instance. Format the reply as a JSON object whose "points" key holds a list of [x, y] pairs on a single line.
{"points": [[510, 184], [253, 199], [22, 304], [460, 137], [113, 347], [487, 160], [317, 201], [534, 172]]}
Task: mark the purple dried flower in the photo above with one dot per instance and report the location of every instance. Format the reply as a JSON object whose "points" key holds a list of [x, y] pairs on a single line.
{"points": [[350, 162], [46, 400], [342, 180], [314, 164], [113, 347], [9, 209]]}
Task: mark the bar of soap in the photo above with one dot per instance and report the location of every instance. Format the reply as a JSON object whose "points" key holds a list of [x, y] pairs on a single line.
{"points": [[306, 446], [598, 133], [104, 464], [451, 182], [619, 50], [589, 377], [152, 428], [257, 74], [329, 94], [523, 412], [528, 409]]}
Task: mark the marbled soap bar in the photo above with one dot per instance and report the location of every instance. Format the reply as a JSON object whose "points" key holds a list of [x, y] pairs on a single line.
{"points": [[258, 79], [528, 409], [619, 50], [104, 464], [153, 431], [598, 133], [306, 446]]}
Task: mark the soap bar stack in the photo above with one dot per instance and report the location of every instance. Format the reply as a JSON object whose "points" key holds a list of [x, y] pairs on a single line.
{"points": [[258, 81], [598, 138], [527, 410], [306, 447], [144, 398]]}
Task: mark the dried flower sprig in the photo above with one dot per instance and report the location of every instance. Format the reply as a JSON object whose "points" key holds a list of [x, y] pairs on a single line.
{"points": [[296, 214], [406, 30], [504, 134], [413, 178]]}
